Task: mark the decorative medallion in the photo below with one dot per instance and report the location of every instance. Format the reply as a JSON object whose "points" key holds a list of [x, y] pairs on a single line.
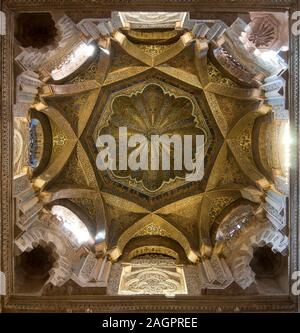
{"points": [[151, 109]]}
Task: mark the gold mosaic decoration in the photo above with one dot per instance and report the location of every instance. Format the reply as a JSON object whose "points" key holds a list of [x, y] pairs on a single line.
{"points": [[139, 76], [152, 230], [152, 109]]}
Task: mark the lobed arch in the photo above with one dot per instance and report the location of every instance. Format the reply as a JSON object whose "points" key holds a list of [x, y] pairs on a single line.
{"points": [[169, 231]]}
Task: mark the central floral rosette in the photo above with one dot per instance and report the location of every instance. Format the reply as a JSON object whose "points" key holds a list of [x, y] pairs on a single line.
{"points": [[153, 111]]}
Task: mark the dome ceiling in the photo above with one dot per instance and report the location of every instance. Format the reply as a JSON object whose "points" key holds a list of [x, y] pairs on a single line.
{"points": [[153, 108], [173, 93], [188, 78]]}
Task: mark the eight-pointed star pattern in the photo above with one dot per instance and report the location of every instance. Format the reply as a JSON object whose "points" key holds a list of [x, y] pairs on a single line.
{"points": [[186, 212]]}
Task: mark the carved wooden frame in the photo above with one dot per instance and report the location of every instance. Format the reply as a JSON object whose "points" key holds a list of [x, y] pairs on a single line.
{"points": [[13, 303]]}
